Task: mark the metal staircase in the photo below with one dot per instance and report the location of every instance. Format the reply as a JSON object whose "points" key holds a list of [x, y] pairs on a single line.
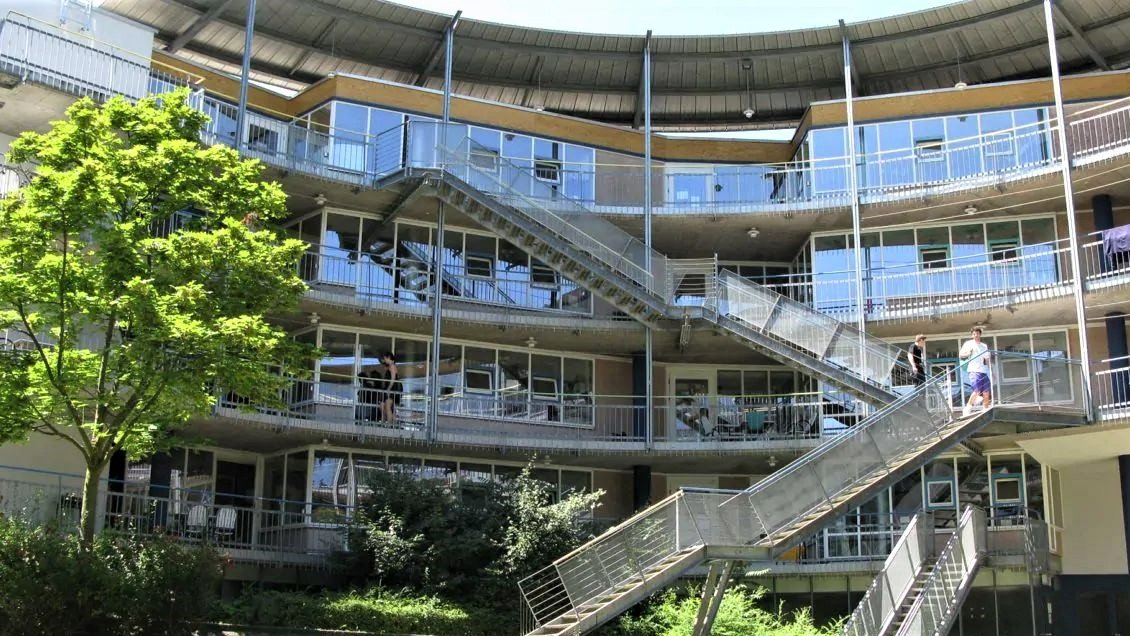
{"points": [[935, 608], [513, 202], [606, 576]]}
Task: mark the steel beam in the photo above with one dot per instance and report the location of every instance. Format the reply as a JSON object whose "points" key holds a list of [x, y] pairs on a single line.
{"points": [[713, 590], [1081, 37], [201, 21], [855, 81], [437, 51], [645, 74]]}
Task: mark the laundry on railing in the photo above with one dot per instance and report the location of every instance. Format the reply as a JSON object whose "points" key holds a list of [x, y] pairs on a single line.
{"points": [[1116, 240]]}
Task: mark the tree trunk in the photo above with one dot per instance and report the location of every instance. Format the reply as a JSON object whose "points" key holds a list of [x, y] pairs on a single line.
{"points": [[88, 519]]}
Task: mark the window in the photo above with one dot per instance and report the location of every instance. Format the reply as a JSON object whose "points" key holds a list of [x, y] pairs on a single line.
{"points": [[548, 170], [480, 266], [542, 276], [929, 149], [484, 159], [998, 144], [262, 138], [544, 387], [479, 381], [1004, 252], [933, 257], [939, 493]]}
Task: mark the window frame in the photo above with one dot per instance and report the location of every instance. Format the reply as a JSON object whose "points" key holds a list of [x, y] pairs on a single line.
{"points": [[927, 265], [480, 259]]}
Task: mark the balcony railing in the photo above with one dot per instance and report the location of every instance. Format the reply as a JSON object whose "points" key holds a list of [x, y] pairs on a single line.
{"points": [[1111, 387], [517, 416], [1104, 269], [369, 279], [245, 528], [1100, 132], [75, 63]]}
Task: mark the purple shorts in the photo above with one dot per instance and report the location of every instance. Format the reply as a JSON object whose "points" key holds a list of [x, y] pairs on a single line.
{"points": [[980, 382]]}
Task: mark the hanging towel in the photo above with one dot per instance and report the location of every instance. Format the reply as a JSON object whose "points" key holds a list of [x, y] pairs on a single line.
{"points": [[1116, 240]]}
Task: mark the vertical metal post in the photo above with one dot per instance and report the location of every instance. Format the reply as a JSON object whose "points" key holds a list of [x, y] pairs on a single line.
{"points": [[437, 303], [245, 76], [437, 261], [649, 392], [1069, 203], [853, 191], [448, 52]]}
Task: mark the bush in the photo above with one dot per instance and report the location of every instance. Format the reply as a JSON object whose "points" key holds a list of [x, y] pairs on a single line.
{"points": [[424, 536], [377, 611], [119, 586], [672, 614]]}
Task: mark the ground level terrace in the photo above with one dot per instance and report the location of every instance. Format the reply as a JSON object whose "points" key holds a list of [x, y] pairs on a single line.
{"points": [[297, 507]]}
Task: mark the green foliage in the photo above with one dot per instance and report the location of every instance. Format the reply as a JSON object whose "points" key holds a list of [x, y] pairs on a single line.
{"points": [[376, 611], [672, 614], [132, 330], [52, 585], [422, 535]]}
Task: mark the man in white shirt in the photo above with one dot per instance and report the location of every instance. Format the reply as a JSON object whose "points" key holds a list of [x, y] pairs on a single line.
{"points": [[977, 354]]}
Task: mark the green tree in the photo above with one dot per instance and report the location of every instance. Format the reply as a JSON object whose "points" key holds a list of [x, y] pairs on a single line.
{"points": [[131, 329]]}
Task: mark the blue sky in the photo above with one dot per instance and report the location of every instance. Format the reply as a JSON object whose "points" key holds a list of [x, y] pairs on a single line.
{"points": [[675, 17]]}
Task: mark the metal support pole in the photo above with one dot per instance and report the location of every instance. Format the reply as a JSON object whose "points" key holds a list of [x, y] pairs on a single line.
{"points": [[649, 391], [448, 52], [245, 76], [437, 302], [853, 186], [1069, 203]]}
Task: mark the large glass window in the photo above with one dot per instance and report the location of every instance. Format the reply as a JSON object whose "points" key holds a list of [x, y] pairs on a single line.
{"points": [[330, 487], [829, 161], [351, 126], [897, 160]]}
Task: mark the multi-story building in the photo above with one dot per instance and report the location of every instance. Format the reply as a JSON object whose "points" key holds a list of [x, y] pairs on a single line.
{"points": [[711, 331]]}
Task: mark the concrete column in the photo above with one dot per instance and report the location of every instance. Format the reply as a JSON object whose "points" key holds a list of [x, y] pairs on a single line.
{"points": [[1118, 351], [160, 477], [1102, 211], [1124, 478], [639, 395], [641, 487]]}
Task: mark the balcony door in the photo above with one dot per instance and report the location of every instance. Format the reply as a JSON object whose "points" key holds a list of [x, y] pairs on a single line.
{"points": [[692, 406]]}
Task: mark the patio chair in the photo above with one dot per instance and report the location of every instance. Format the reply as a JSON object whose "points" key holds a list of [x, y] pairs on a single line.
{"points": [[196, 522], [225, 523]]}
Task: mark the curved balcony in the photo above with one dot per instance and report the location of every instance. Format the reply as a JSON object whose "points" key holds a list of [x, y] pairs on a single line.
{"points": [[404, 285], [519, 418], [936, 168]]}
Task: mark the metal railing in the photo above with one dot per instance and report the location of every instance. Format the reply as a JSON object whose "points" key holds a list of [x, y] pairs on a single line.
{"points": [[937, 605], [76, 63], [743, 305], [1100, 132], [369, 279], [877, 608], [1110, 387], [884, 439], [517, 416], [521, 188], [237, 524], [1105, 266], [910, 291]]}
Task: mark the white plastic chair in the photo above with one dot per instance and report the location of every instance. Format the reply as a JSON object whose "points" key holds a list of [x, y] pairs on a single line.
{"points": [[197, 520], [225, 523]]}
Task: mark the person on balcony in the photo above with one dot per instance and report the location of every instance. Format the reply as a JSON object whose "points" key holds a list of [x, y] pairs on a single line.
{"points": [[916, 355], [369, 400], [977, 354], [393, 388]]}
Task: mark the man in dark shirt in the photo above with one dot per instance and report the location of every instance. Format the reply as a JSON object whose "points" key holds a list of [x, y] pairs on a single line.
{"points": [[916, 354]]}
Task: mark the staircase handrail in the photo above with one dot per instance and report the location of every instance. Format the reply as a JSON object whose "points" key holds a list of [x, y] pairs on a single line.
{"points": [[871, 605], [812, 317], [651, 278], [972, 527]]}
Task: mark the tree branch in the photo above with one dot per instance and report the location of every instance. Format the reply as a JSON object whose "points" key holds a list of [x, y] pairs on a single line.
{"points": [[51, 377], [103, 370]]}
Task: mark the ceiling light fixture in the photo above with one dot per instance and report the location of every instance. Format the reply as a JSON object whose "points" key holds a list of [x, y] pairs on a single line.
{"points": [[747, 66], [772, 461], [971, 209], [753, 232], [319, 199], [531, 342], [315, 318]]}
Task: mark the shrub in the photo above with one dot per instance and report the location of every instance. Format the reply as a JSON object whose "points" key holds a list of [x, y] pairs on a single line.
{"points": [[424, 536], [673, 614], [119, 586], [377, 611]]}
